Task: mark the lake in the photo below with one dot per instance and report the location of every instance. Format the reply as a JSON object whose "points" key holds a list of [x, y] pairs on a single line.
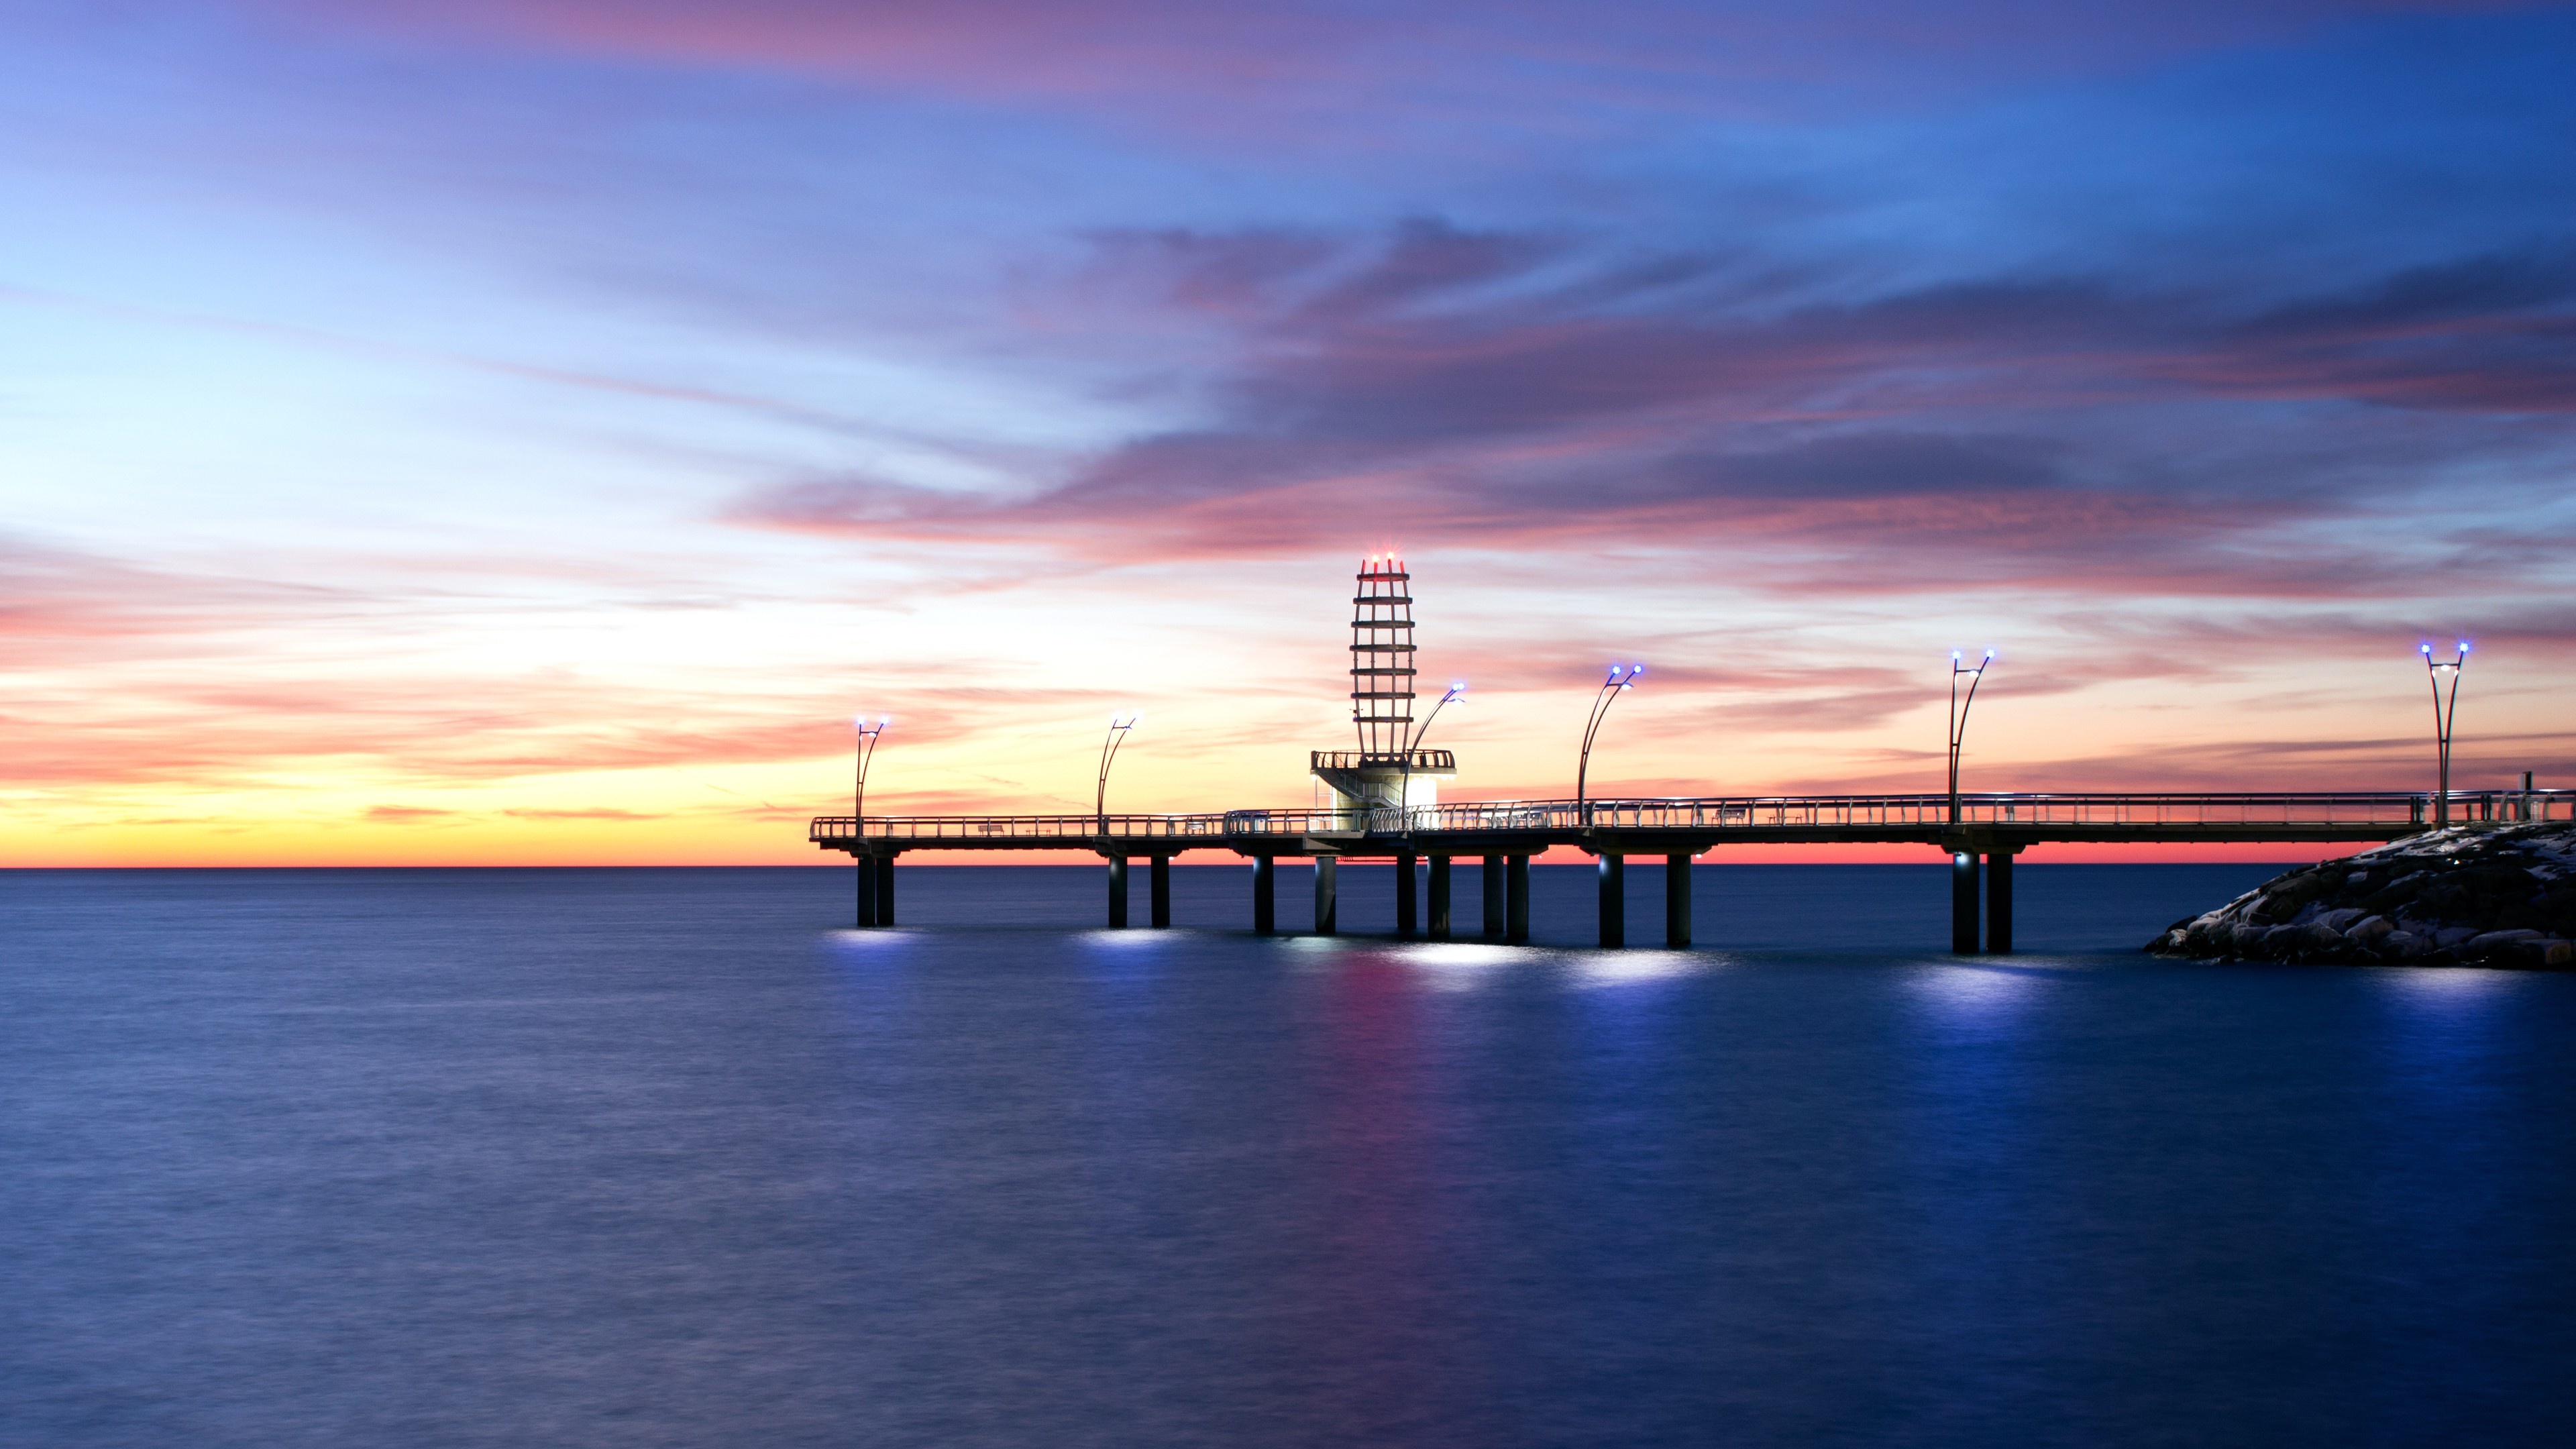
{"points": [[667, 1157]]}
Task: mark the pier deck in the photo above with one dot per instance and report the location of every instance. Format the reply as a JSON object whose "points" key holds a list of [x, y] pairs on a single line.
{"points": [[1987, 832]]}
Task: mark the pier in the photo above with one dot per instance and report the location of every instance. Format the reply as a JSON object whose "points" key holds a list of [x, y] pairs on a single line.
{"points": [[1386, 806], [1983, 836]]}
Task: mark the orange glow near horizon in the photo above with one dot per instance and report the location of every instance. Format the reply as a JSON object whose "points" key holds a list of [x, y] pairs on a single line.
{"points": [[714, 745]]}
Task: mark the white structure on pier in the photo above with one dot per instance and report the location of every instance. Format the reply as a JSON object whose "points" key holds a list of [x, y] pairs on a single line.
{"points": [[1389, 770]]}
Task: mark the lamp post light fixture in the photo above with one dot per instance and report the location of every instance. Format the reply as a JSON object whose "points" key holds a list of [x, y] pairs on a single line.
{"points": [[2446, 708], [1959, 716], [1622, 679], [1119, 725]]}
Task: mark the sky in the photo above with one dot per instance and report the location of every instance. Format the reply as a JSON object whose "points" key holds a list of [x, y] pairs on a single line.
{"points": [[527, 431]]}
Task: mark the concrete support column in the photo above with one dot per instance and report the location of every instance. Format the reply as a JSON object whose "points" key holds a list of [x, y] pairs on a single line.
{"points": [[1440, 898], [1614, 900], [867, 870], [1999, 903], [1265, 899], [1405, 922], [1117, 892], [1677, 901], [1516, 899], [1160, 874], [1327, 895], [885, 891], [1963, 903], [1492, 899]]}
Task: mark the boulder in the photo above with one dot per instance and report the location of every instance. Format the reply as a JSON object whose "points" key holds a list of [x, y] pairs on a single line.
{"points": [[2493, 940]]}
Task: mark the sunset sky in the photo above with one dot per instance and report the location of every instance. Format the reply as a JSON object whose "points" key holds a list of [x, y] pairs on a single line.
{"points": [[526, 431]]}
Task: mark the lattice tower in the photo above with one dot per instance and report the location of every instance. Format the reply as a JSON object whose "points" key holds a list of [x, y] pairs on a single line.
{"points": [[1382, 657]]}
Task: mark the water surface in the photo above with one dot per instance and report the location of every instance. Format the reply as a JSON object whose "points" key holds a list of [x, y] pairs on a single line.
{"points": [[465, 1158]]}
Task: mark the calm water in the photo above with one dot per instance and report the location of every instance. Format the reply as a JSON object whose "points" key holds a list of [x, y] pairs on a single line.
{"points": [[463, 1158]]}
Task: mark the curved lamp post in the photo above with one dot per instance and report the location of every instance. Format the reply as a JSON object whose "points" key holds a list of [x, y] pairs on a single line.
{"points": [[2446, 707], [1404, 801], [1617, 684], [867, 749], [1119, 725], [1959, 716], [865, 868]]}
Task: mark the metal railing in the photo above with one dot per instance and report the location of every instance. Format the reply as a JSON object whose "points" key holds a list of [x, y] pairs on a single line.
{"points": [[1072, 829], [1724, 813], [2387, 807], [1419, 761]]}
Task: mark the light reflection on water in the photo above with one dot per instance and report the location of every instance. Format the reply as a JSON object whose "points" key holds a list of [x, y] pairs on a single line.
{"points": [[2449, 983], [1621, 968], [1975, 993]]}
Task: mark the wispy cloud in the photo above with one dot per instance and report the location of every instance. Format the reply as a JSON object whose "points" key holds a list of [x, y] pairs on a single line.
{"points": [[1490, 389]]}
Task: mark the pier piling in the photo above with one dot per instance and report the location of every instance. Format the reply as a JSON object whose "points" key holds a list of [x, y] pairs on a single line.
{"points": [[1677, 901], [1117, 892], [1405, 922], [1614, 900], [1327, 895], [1265, 899], [885, 890], [1963, 903], [1516, 904], [867, 867], [1440, 898], [1492, 897], [1999, 883], [1160, 876]]}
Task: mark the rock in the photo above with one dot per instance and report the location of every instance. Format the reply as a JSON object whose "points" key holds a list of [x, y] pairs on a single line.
{"points": [[2494, 939], [2314, 941], [2532, 953], [2474, 894]]}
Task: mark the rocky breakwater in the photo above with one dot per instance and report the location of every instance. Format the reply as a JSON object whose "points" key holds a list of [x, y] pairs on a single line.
{"points": [[2478, 895]]}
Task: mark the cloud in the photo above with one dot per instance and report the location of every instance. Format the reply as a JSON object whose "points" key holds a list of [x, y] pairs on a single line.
{"points": [[2493, 333], [1461, 387], [63, 605]]}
